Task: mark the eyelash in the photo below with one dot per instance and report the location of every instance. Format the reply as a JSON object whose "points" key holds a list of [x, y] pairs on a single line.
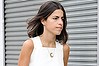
{"points": [[62, 18], [57, 18]]}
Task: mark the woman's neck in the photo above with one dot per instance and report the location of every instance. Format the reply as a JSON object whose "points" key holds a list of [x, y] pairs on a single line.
{"points": [[48, 40]]}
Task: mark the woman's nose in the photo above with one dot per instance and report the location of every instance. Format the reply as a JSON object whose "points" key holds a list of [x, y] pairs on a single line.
{"points": [[60, 22]]}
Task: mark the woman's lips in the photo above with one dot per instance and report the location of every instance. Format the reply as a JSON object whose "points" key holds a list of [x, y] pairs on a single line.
{"points": [[60, 28]]}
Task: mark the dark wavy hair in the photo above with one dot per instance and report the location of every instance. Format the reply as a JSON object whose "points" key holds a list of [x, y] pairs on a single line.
{"points": [[35, 27]]}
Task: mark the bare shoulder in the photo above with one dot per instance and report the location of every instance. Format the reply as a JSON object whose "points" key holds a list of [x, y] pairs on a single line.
{"points": [[25, 53], [66, 47], [28, 44], [66, 51]]}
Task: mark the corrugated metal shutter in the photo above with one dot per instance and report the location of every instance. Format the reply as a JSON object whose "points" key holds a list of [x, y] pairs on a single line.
{"points": [[82, 29], [16, 14]]}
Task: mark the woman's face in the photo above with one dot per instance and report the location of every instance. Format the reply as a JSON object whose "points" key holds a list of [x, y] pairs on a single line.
{"points": [[54, 23]]}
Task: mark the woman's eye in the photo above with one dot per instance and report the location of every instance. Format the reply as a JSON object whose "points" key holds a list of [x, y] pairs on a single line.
{"points": [[62, 18], [55, 18]]}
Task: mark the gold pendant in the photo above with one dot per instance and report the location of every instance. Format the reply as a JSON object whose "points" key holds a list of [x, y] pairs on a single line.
{"points": [[51, 55]]}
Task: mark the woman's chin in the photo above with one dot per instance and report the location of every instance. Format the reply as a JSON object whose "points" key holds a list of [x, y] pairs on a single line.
{"points": [[58, 33]]}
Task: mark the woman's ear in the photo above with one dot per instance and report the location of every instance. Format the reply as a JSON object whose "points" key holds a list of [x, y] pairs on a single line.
{"points": [[43, 21]]}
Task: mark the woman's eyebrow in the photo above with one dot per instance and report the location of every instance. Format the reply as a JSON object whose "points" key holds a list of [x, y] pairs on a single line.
{"points": [[62, 17], [58, 16]]}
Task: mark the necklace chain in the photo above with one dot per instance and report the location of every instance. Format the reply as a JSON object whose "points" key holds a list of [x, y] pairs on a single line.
{"points": [[51, 53]]}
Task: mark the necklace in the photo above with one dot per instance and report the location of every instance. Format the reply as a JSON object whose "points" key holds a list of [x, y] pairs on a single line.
{"points": [[51, 52]]}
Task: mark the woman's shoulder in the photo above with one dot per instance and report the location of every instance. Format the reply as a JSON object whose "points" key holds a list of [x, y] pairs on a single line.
{"points": [[28, 44], [66, 47]]}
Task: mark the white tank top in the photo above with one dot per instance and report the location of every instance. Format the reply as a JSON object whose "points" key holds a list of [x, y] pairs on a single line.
{"points": [[41, 55]]}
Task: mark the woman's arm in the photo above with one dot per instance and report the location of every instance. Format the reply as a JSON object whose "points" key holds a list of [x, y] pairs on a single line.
{"points": [[25, 53], [66, 50]]}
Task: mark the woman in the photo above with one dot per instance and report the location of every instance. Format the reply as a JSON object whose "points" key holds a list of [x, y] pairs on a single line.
{"points": [[47, 44]]}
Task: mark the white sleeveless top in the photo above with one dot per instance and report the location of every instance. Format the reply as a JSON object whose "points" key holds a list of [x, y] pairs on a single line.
{"points": [[41, 55]]}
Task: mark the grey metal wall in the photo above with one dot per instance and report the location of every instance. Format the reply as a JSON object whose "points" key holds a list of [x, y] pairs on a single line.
{"points": [[82, 29]]}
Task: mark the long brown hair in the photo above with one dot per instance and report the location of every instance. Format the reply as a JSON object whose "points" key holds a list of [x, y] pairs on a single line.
{"points": [[35, 27]]}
